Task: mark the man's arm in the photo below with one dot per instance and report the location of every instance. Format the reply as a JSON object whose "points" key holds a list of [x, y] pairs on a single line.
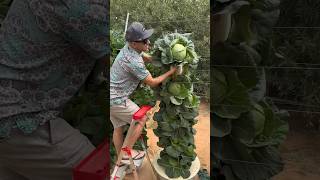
{"points": [[153, 82]]}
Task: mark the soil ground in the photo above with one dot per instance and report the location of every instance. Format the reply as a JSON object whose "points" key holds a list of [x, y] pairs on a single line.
{"points": [[301, 155]]}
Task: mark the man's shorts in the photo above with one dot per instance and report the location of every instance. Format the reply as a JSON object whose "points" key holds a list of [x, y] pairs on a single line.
{"points": [[49, 153], [121, 115]]}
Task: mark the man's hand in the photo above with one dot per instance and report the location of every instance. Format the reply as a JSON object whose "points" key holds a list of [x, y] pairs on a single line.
{"points": [[146, 57], [173, 69]]}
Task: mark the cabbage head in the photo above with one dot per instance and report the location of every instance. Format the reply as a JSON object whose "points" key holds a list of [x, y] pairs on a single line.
{"points": [[179, 52]]}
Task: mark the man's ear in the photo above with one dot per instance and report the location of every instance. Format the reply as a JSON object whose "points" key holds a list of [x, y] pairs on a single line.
{"points": [[133, 44]]}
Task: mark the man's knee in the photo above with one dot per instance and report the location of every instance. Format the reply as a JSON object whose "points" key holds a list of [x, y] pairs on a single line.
{"points": [[144, 118], [142, 121], [118, 129]]}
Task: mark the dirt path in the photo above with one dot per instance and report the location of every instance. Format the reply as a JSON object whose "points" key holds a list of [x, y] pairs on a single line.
{"points": [[301, 155], [202, 138]]}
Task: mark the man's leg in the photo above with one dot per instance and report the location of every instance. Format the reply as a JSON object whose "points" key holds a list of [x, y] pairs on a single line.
{"points": [[8, 174], [136, 133], [121, 115], [118, 138]]}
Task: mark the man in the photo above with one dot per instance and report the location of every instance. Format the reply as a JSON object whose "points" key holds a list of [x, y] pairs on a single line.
{"points": [[47, 51], [126, 73]]}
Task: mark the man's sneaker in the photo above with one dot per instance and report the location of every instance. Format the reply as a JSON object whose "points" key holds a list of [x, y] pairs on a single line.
{"points": [[137, 158], [120, 172]]}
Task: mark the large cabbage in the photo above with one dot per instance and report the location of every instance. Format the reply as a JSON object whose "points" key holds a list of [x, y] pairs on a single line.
{"points": [[179, 52], [174, 88], [175, 48]]}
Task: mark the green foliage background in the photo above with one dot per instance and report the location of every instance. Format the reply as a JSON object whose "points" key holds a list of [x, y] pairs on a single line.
{"points": [[296, 40]]}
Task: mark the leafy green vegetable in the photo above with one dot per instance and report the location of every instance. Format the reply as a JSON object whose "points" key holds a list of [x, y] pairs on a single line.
{"points": [[179, 105], [174, 88], [175, 48], [4, 8], [247, 127], [179, 52]]}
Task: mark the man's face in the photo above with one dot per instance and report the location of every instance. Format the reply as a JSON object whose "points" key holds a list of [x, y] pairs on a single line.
{"points": [[142, 45]]}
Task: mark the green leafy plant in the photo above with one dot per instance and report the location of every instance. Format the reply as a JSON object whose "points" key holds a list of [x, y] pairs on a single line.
{"points": [[296, 88], [4, 7], [86, 111], [246, 128], [203, 174], [179, 105], [117, 42]]}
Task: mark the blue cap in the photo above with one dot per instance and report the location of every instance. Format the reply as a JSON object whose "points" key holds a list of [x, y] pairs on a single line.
{"points": [[137, 32]]}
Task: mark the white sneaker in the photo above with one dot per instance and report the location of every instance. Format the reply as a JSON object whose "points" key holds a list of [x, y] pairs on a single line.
{"points": [[119, 172], [137, 159]]}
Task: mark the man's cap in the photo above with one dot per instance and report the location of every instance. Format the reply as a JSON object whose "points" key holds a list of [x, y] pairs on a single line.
{"points": [[137, 32]]}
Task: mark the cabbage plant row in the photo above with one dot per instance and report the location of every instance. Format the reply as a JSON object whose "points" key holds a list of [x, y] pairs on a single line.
{"points": [[246, 127], [179, 105]]}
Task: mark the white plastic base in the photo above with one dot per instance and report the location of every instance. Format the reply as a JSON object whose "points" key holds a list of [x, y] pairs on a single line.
{"points": [[194, 169]]}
